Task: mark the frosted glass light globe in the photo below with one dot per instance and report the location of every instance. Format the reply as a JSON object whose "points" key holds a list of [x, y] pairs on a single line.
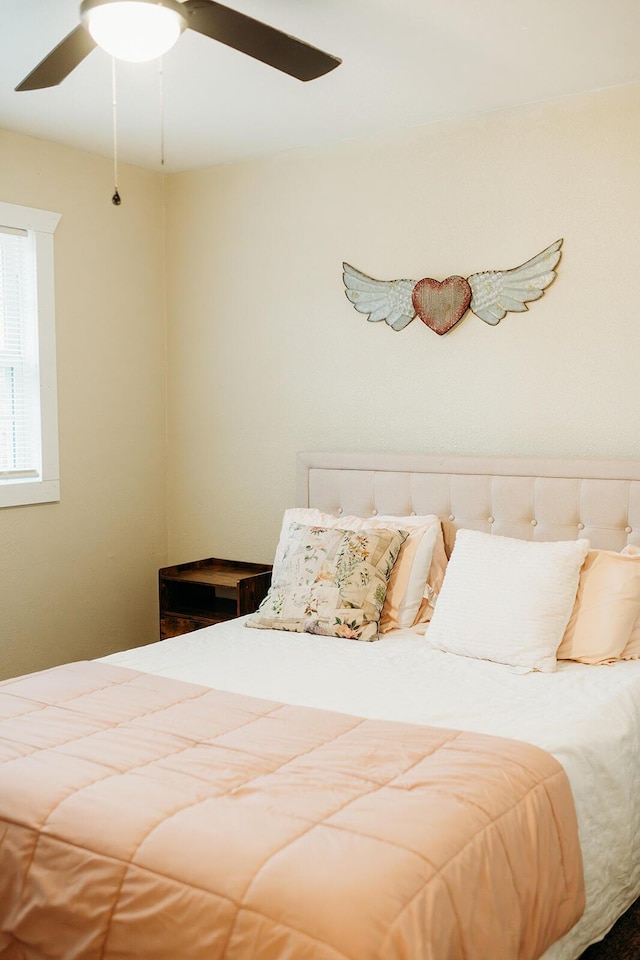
{"points": [[135, 30]]}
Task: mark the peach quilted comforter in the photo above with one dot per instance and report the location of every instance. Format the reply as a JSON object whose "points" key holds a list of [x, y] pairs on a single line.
{"points": [[142, 817]]}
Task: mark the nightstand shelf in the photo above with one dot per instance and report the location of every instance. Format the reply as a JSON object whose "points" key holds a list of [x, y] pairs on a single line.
{"points": [[202, 592]]}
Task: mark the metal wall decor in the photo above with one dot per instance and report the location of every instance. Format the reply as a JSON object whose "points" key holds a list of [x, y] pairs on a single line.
{"points": [[440, 304]]}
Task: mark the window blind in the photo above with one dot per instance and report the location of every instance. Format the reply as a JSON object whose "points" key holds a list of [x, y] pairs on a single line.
{"points": [[19, 380]]}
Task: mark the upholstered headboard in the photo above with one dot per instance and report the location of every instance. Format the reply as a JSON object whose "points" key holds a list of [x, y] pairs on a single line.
{"points": [[528, 498]]}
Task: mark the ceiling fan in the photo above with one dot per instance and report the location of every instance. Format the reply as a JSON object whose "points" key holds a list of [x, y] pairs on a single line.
{"points": [[101, 26]]}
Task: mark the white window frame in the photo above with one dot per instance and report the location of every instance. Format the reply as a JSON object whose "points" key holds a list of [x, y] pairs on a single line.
{"points": [[44, 487]]}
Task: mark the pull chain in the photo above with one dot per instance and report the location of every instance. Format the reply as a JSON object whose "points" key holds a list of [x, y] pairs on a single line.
{"points": [[161, 94], [115, 199]]}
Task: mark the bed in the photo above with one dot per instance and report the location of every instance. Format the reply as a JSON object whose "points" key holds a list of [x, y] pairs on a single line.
{"points": [[579, 722]]}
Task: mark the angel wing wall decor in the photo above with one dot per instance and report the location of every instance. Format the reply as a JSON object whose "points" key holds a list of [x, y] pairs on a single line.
{"points": [[441, 304]]}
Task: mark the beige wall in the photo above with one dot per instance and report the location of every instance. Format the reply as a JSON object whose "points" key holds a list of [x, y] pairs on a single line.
{"points": [[267, 357], [78, 578]]}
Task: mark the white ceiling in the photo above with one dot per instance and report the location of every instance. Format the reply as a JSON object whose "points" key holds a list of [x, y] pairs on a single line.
{"points": [[405, 62]]}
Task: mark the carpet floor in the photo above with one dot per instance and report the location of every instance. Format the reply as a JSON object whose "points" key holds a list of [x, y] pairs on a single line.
{"points": [[623, 940]]}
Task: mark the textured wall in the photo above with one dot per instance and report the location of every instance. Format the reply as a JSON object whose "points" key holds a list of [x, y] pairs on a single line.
{"points": [[78, 578], [267, 357]]}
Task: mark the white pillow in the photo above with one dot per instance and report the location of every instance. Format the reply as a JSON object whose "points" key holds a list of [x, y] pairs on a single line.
{"points": [[507, 600]]}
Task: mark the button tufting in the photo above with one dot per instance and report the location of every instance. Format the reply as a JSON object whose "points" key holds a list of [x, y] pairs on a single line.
{"points": [[340, 510], [490, 520], [451, 516], [534, 523], [628, 529], [413, 513], [581, 526], [373, 512]]}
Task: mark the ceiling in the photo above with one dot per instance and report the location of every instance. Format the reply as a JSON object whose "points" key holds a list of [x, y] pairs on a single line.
{"points": [[405, 62]]}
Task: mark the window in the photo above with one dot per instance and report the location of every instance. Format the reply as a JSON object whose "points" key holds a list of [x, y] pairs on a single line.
{"points": [[28, 399]]}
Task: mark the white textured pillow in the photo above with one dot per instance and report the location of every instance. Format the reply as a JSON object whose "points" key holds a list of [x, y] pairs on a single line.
{"points": [[507, 600]]}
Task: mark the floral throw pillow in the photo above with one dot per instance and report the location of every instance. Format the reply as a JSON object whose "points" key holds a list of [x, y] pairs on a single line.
{"points": [[331, 581]]}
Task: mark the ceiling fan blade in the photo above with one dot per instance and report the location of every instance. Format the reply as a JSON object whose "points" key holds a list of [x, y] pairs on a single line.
{"points": [[258, 40], [61, 61]]}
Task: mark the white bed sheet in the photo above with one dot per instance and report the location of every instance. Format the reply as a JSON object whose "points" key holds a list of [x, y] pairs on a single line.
{"points": [[587, 717]]}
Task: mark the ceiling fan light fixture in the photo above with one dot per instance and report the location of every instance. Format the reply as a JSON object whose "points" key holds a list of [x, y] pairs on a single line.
{"points": [[134, 30]]}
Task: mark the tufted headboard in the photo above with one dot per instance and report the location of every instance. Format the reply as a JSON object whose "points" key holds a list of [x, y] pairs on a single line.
{"points": [[528, 498]]}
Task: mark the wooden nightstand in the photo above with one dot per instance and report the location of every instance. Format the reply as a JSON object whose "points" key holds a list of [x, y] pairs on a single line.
{"points": [[197, 594]]}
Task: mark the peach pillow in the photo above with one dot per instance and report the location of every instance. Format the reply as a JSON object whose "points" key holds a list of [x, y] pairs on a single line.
{"points": [[607, 607], [417, 574], [632, 649]]}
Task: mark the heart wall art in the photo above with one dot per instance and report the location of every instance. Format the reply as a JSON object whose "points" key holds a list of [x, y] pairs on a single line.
{"points": [[440, 304]]}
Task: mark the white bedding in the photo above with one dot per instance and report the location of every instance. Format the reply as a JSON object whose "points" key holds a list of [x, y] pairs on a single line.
{"points": [[587, 717]]}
